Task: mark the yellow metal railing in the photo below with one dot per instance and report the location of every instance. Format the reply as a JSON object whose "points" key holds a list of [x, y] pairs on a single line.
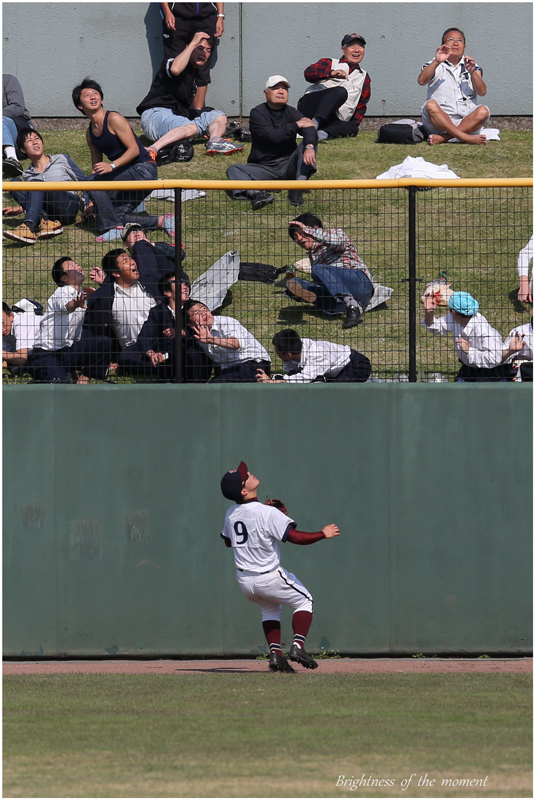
{"points": [[398, 183]]}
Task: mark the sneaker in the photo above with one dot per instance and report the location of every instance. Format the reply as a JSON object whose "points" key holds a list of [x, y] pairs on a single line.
{"points": [[297, 291], [49, 228], [21, 234], [278, 663], [353, 316], [11, 168], [168, 225], [299, 655], [110, 236], [295, 197], [222, 147], [153, 153], [261, 199]]}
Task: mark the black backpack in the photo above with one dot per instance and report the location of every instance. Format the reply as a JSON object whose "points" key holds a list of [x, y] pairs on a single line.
{"points": [[264, 273], [181, 151], [405, 131]]}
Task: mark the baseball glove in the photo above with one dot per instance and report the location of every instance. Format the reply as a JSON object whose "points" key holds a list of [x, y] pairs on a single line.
{"points": [[272, 501]]}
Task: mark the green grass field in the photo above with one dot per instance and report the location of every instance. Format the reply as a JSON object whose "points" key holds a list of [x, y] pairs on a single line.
{"points": [[266, 735], [474, 235]]}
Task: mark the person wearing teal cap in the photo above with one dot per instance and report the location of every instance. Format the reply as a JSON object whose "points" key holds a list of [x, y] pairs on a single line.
{"points": [[478, 345]]}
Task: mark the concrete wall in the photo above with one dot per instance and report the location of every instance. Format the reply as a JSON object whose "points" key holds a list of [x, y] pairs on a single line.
{"points": [[112, 515], [120, 46]]}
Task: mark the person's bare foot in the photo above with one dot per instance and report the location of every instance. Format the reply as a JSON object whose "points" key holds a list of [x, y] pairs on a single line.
{"points": [[475, 138], [465, 138], [436, 138]]}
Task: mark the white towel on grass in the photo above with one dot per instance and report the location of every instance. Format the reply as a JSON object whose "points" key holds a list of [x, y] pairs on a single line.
{"points": [[417, 168]]}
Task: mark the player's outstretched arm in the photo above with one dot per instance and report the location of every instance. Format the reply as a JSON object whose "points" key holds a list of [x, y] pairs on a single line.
{"points": [[301, 537], [331, 530]]}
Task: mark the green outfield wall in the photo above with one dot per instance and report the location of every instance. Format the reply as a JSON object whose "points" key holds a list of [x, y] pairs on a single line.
{"points": [[112, 515]]}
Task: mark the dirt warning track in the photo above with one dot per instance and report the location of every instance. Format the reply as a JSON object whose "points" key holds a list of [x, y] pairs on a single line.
{"points": [[346, 666]]}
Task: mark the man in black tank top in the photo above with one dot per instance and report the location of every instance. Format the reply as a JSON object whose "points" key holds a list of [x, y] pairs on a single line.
{"points": [[109, 134]]}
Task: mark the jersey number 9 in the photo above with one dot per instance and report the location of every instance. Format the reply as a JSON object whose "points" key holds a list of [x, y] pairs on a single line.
{"points": [[241, 531]]}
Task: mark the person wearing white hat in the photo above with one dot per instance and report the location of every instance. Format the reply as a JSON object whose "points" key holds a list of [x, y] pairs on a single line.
{"points": [[275, 154]]}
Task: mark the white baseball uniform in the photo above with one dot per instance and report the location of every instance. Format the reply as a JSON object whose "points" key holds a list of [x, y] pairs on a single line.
{"points": [[254, 531]]}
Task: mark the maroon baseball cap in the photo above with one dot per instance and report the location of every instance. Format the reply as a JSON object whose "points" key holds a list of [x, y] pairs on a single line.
{"points": [[349, 38], [232, 482]]}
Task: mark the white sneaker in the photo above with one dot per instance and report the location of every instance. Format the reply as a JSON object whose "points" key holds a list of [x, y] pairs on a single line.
{"points": [[222, 147]]}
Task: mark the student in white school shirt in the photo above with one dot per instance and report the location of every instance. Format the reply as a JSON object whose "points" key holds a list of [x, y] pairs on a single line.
{"points": [[478, 345], [525, 257], [310, 361], [230, 346], [518, 352], [20, 326], [60, 353]]}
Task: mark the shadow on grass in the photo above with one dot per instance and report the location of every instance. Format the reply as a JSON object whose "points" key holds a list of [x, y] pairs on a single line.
{"points": [[518, 307]]}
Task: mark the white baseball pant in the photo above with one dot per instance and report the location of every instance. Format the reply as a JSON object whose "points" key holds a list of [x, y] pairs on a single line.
{"points": [[275, 589]]}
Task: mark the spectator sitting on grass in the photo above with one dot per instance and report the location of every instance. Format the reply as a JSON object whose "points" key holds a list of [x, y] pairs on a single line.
{"points": [[228, 343], [45, 212], [110, 134], [275, 154], [342, 282], [59, 350], [156, 340], [337, 101], [121, 305], [165, 252], [525, 257], [18, 335], [478, 345], [309, 361], [518, 351], [454, 81], [166, 115]]}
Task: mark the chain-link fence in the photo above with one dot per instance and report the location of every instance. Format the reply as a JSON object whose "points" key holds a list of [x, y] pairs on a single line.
{"points": [[243, 264]]}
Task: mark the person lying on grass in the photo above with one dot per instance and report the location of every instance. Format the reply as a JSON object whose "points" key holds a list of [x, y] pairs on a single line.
{"points": [[309, 361]]}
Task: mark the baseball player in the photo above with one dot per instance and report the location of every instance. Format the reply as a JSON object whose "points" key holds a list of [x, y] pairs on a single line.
{"points": [[254, 531]]}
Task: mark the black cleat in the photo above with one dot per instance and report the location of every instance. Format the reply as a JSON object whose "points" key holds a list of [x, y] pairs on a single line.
{"points": [[295, 197], [299, 655], [353, 317], [261, 199], [278, 663]]}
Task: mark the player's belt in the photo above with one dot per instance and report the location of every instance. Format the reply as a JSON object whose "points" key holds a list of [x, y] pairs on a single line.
{"points": [[248, 572]]}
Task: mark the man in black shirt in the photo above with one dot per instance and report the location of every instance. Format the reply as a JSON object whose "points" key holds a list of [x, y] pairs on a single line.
{"points": [[275, 154], [166, 114]]}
